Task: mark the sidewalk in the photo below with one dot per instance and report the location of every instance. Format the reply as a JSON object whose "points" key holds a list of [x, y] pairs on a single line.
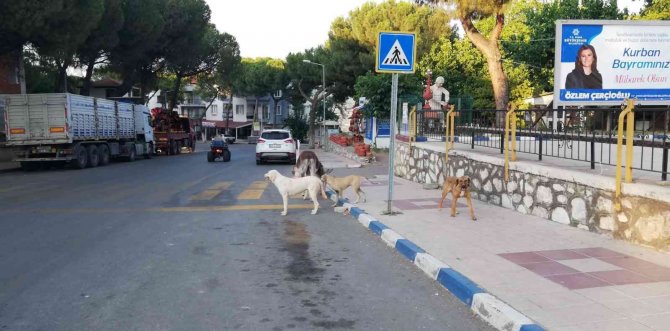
{"points": [[560, 277], [9, 166]]}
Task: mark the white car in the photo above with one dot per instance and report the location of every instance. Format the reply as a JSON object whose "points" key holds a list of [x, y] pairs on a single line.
{"points": [[276, 145], [228, 138]]}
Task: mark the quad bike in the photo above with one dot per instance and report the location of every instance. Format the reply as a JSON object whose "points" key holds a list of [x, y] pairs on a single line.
{"points": [[218, 149]]}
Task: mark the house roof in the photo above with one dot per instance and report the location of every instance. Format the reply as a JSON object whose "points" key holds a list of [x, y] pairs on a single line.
{"points": [[222, 124], [106, 82]]}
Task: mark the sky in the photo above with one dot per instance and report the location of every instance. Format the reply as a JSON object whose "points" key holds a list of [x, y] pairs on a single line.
{"points": [[274, 28]]}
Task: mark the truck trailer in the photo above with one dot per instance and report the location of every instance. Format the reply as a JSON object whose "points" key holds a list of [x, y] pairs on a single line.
{"points": [[79, 130], [171, 132]]}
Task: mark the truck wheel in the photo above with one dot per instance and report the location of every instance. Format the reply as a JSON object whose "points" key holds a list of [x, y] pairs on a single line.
{"points": [[150, 151], [173, 147], [210, 156], [179, 145], [82, 157], [226, 155], [103, 155], [170, 148], [93, 157], [131, 153]]}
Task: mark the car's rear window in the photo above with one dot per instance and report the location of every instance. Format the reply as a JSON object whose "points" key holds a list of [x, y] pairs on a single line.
{"points": [[275, 135]]}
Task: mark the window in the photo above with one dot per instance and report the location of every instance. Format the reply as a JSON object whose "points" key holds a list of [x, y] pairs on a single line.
{"points": [[215, 110], [239, 109], [265, 111], [275, 135], [277, 110]]}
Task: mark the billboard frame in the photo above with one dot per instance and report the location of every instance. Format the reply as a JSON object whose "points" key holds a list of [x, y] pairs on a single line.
{"points": [[558, 39]]}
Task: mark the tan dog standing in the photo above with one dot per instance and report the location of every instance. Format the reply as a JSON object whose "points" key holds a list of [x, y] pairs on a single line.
{"points": [[342, 183], [289, 186], [457, 186]]}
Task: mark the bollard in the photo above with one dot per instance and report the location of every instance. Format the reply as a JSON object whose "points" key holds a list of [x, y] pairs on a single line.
{"points": [[502, 142], [593, 151], [664, 173], [472, 143], [540, 148]]}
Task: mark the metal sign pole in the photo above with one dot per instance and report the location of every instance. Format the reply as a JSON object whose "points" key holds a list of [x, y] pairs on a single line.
{"points": [[394, 111], [396, 52]]}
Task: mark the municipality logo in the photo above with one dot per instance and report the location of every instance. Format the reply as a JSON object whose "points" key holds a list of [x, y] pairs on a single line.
{"points": [[574, 38]]}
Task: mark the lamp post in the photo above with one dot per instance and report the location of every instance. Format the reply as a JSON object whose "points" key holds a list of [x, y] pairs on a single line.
{"points": [[323, 76], [276, 97]]}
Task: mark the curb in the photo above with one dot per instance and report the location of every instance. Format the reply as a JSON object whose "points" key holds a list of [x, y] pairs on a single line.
{"points": [[489, 308]]}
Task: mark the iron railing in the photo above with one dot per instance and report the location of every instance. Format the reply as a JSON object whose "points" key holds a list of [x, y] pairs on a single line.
{"points": [[587, 134]]}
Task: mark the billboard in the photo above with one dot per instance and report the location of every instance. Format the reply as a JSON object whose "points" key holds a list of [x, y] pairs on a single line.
{"points": [[602, 62]]}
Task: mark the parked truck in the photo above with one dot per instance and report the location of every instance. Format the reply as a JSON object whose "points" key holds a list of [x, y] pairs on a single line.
{"points": [[171, 132], [82, 131]]}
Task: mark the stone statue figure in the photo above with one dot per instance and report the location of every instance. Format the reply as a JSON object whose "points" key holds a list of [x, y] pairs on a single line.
{"points": [[440, 95]]}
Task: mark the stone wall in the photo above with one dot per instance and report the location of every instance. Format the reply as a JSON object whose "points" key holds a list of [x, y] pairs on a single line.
{"points": [[577, 203], [347, 151]]}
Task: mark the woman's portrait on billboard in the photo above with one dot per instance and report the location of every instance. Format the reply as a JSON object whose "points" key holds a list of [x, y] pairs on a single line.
{"points": [[585, 75]]}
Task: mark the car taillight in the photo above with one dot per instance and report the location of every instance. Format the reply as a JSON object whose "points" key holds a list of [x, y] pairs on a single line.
{"points": [[288, 141], [261, 140]]}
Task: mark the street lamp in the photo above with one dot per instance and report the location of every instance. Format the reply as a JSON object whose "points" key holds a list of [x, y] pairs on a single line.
{"points": [[323, 75], [276, 97]]}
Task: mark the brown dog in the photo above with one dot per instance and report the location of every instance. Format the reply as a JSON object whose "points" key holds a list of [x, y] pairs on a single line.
{"points": [[342, 183], [457, 186]]}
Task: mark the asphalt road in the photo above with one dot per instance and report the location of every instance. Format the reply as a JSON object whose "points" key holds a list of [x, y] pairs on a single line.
{"points": [[177, 243]]}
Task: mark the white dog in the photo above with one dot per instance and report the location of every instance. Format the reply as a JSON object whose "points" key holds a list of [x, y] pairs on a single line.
{"points": [[289, 186]]}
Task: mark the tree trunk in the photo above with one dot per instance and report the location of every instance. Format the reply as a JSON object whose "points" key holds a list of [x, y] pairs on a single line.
{"points": [[61, 82], [127, 84], [491, 51], [175, 94], [312, 121], [256, 117], [499, 83], [86, 87], [498, 80]]}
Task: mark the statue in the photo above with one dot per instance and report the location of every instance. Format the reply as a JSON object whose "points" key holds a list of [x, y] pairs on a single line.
{"points": [[436, 98], [439, 95]]}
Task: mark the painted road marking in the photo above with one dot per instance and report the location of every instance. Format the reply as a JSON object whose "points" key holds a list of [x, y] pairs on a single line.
{"points": [[254, 191], [162, 210], [235, 207], [212, 191]]}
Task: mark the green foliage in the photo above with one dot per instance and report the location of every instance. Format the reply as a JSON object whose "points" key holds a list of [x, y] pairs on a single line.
{"points": [[101, 40], [39, 74], [22, 20], [105, 35], [364, 23], [260, 77], [189, 41], [297, 123], [656, 10], [138, 51], [376, 88], [229, 62], [306, 77], [346, 59]]}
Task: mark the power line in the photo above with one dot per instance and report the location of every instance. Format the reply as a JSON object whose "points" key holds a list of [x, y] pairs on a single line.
{"points": [[525, 41]]}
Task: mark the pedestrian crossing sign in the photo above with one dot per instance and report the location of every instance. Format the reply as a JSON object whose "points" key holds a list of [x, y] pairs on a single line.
{"points": [[396, 52]]}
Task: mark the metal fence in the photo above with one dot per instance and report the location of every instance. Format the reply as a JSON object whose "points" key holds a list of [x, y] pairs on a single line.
{"points": [[588, 135]]}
